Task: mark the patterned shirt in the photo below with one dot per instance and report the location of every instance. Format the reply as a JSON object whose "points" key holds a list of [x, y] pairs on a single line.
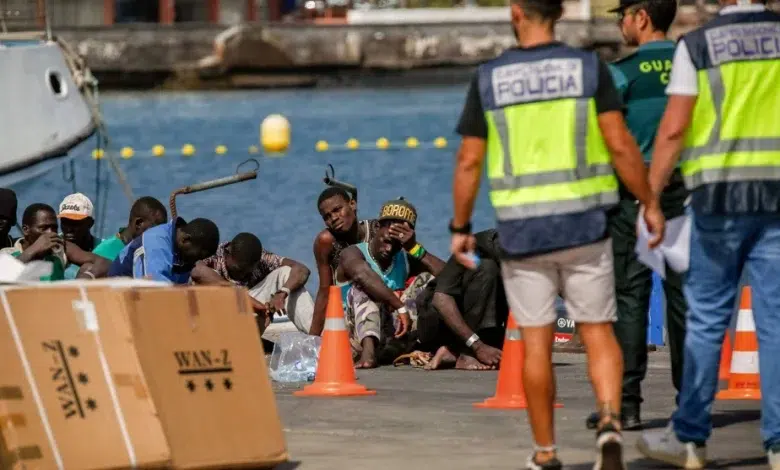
{"points": [[268, 262]]}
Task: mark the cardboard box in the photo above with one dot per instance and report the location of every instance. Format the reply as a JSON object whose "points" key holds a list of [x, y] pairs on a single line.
{"points": [[113, 374], [72, 395], [202, 357]]}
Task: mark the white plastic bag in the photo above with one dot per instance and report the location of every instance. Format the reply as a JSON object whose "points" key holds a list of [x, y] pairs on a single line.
{"points": [[294, 358]]}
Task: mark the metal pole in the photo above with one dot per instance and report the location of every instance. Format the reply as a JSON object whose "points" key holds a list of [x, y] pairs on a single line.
{"points": [[46, 19], [3, 9], [585, 10], [330, 180], [219, 182]]}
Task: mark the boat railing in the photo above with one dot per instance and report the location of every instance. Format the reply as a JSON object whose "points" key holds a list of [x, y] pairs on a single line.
{"points": [[24, 20]]}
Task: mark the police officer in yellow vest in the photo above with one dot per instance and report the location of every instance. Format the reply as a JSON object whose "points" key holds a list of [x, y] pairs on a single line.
{"points": [[549, 118], [723, 121]]}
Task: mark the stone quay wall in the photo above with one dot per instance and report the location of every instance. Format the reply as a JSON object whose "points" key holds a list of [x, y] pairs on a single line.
{"points": [[256, 55]]}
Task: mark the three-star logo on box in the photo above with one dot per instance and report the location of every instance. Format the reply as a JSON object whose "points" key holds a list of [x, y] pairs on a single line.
{"points": [[71, 383], [212, 365]]}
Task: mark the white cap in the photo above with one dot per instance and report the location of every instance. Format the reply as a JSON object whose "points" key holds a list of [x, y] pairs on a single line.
{"points": [[76, 207]]}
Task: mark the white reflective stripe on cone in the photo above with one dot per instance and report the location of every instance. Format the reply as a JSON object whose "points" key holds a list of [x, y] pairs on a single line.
{"points": [[512, 334], [745, 320], [335, 324], [744, 362]]}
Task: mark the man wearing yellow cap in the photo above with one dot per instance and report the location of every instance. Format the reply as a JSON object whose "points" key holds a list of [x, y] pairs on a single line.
{"points": [[373, 279]]}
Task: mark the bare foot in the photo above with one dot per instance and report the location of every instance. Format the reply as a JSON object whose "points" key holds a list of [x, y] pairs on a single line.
{"points": [[443, 359], [367, 361], [465, 362], [368, 356]]}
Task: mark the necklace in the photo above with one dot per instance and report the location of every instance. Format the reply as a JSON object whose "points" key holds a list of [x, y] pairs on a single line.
{"points": [[384, 271]]}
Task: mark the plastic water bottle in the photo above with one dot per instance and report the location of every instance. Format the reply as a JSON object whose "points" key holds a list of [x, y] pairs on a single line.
{"points": [[474, 258]]}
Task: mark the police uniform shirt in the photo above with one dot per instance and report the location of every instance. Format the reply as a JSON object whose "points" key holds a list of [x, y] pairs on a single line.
{"points": [[739, 197], [684, 80], [472, 123]]}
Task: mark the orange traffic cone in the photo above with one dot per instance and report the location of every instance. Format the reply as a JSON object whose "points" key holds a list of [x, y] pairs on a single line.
{"points": [[725, 358], [510, 393], [335, 371], [744, 378]]}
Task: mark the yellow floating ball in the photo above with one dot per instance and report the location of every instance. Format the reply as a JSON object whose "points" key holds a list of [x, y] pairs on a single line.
{"points": [[254, 149], [188, 150], [220, 150], [412, 142], [97, 154], [382, 143], [353, 144], [275, 133], [321, 146], [126, 152], [440, 142], [158, 150]]}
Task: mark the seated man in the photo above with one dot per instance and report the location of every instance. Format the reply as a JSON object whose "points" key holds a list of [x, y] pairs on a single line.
{"points": [[40, 241], [167, 252], [276, 284], [146, 212], [373, 276], [462, 313], [76, 222], [8, 206], [339, 212]]}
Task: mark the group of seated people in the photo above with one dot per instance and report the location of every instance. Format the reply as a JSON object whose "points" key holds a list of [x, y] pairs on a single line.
{"points": [[399, 299]]}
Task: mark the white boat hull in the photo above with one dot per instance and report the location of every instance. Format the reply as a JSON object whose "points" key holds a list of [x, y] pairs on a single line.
{"points": [[42, 112]]}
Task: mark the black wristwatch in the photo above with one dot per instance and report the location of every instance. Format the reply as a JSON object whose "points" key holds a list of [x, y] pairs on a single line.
{"points": [[466, 229]]}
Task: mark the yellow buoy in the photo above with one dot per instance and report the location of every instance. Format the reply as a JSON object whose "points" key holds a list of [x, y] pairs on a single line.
{"points": [[321, 146], [353, 144], [440, 142], [412, 142], [158, 150], [220, 150], [382, 143], [188, 150], [97, 154], [254, 149], [127, 152], [275, 133]]}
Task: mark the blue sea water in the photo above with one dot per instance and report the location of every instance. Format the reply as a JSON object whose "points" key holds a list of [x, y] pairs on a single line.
{"points": [[280, 205]]}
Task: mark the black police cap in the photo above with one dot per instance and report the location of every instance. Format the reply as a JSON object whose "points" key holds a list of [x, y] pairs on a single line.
{"points": [[625, 4]]}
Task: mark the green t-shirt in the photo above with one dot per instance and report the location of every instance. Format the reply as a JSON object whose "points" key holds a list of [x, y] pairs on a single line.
{"points": [[641, 79], [58, 270], [110, 247]]}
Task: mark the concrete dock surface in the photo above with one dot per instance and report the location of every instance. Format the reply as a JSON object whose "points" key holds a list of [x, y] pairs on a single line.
{"points": [[425, 420]]}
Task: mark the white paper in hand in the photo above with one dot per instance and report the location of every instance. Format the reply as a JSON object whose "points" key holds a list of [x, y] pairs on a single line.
{"points": [[676, 246], [652, 258]]}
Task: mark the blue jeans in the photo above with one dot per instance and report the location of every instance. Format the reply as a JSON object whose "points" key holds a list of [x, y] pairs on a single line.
{"points": [[721, 248]]}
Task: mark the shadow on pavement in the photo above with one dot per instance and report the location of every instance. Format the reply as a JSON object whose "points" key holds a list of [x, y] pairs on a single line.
{"points": [[722, 463], [719, 420], [640, 464], [288, 466]]}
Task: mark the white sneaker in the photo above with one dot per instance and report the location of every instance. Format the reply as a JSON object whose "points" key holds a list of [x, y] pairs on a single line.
{"points": [[609, 443], [664, 446], [774, 460]]}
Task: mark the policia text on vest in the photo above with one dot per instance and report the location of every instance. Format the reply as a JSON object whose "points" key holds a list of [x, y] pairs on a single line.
{"points": [[743, 42], [547, 79]]}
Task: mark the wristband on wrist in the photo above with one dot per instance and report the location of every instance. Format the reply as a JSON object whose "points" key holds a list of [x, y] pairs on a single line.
{"points": [[472, 339], [402, 310], [417, 251], [466, 229]]}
